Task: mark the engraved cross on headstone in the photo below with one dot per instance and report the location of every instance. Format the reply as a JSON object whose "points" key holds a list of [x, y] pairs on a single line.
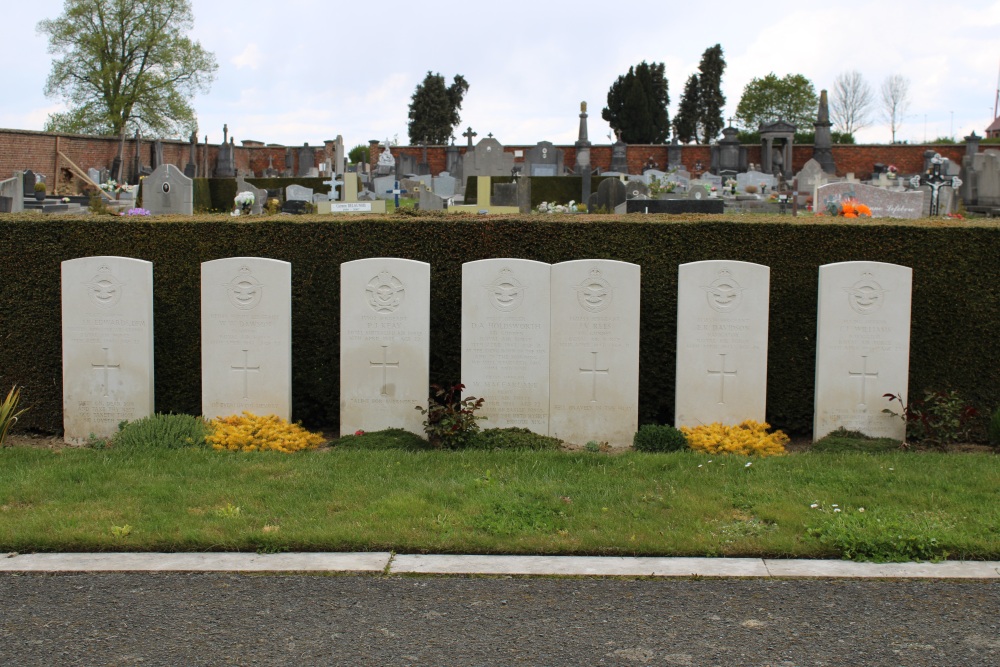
{"points": [[593, 374], [385, 365], [106, 367], [864, 375], [246, 368], [722, 373]]}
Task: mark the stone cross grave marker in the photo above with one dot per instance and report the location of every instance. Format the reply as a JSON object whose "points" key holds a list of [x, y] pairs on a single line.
{"points": [[168, 191], [246, 337], [107, 344], [862, 347], [594, 353], [384, 344], [722, 318], [505, 341], [395, 192]]}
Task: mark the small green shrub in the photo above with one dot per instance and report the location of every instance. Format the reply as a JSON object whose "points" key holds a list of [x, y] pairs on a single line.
{"points": [[451, 421], [390, 438], [942, 418], [512, 438], [162, 432], [993, 430], [657, 438], [843, 440]]}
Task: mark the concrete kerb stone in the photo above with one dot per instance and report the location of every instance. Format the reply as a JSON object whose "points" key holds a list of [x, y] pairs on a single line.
{"points": [[493, 565]]}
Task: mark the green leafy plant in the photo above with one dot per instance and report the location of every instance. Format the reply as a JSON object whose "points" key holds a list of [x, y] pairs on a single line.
{"points": [[658, 438], [942, 418], [512, 438], [882, 537], [161, 431], [121, 531], [9, 412], [993, 429], [40, 186], [451, 421]]}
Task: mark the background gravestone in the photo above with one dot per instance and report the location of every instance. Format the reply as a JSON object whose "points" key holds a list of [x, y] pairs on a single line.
{"points": [[298, 193], [13, 189], [505, 341], [883, 203], [307, 160], [594, 353], [722, 318], [259, 195], [636, 189], [444, 185], [487, 159], [862, 347], [168, 191], [107, 344], [246, 337], [384, 344], [544, 159], [610, 193]]}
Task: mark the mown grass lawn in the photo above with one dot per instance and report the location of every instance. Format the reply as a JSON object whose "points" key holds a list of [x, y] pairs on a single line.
{"points": [[892, 505]]}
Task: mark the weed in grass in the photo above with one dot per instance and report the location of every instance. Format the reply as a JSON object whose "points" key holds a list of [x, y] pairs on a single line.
{"points": [[888, 536], [519, 517], [121, 532], [230, 511], [93, 442]]}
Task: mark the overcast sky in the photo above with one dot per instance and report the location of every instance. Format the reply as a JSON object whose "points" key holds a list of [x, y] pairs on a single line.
{"points": [[307, 70]]}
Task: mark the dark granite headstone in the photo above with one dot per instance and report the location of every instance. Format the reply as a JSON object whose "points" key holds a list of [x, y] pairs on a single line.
{"points": [[225, 163], [29, 180], [619, 157], [610, 193], [636, 190], [295, 206], [504, 194], [307, 160]]}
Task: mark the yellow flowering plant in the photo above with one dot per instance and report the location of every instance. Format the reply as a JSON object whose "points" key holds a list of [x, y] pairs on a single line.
{"points": [[747, 439], [251, 433]]}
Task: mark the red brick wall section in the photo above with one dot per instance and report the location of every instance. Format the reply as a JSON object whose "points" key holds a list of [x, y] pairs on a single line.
{"points": [[26, 149]]}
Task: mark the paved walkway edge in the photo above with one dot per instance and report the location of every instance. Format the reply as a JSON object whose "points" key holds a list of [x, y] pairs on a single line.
{"points": [[587, 566]]}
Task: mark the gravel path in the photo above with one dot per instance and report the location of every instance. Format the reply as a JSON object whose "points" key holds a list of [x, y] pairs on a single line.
{"points": [[232, 619]]}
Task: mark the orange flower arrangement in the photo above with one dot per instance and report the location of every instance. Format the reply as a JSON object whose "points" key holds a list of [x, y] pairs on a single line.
{"points": [[850, 208]]}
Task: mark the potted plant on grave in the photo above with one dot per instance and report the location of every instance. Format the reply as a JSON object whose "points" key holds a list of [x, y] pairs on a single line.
{"points": [[40, 191]]}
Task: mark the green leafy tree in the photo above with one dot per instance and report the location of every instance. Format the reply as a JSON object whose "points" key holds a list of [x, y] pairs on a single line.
{"points": [[710, 97], [791, 98], [358, 154], [637, 105], [434, 109], [688, 112], [125, 65]]}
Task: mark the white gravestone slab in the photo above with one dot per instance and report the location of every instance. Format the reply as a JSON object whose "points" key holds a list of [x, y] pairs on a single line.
{"points": [[107, 348], [246, 337], [594, 354], [505, 341], [384, 344], [722, 317], [298, 193], [862, 347]]}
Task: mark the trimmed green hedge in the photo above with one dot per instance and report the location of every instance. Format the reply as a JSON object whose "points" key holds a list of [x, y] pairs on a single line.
{"points": [[955, 315]]}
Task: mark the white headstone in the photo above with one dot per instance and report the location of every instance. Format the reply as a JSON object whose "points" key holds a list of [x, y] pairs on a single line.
{"points": [[384, 344], [246, 337], [722, 317], [107, 334], [298, 193], [594, 354], [505, 341], [862, 347]]}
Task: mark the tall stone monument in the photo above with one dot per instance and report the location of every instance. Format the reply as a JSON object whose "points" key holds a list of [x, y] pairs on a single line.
{"points": [[822, 152]]}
